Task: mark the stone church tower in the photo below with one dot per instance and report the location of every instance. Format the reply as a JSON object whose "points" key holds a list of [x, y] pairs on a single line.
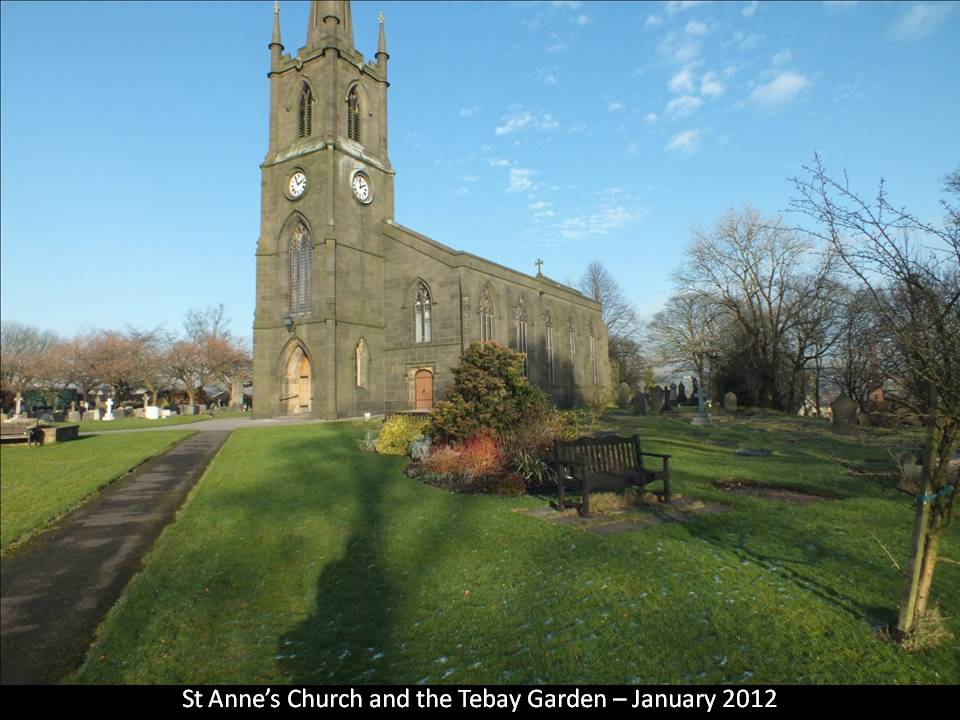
{"points": [[354, 312]]}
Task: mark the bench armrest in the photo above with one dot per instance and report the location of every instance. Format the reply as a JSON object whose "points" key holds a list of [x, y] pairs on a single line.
{"points": [[659, 455]]}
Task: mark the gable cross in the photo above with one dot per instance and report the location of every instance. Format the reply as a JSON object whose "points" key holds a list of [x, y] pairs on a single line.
{"points": [[539, 264]]}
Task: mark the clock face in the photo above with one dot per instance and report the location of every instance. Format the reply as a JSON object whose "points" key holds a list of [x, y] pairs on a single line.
{"points": [[298, 184], [361, 188]]}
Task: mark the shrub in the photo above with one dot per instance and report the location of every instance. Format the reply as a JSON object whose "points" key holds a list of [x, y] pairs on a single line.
{"points": [[419, 448], [442, 460], [511, 485], [489, 392], [398, 432], [481, 455]]}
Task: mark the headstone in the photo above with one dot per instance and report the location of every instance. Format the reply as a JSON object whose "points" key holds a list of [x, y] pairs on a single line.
{"points": [[187, 410], [120, 412], [146, 401], [681, 393], [60, 416], [73, 405], [656, 400], [109, 414], [730, 402], [201, 409], [47, 417], [844, 411], [74, 416], [165, 413], [236, 394], [672, 394], [623, 395], [3, 417], [152, 412], [639, 403], [18, 400], [695, 393], [139, 412], [89, 415]]}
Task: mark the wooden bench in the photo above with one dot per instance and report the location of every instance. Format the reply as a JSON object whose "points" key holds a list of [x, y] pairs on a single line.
{"points": [[19, 431], [608, 462]]}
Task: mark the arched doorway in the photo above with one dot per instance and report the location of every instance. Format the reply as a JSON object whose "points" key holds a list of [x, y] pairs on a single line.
{"points": [[424, 389], [297, 388]]}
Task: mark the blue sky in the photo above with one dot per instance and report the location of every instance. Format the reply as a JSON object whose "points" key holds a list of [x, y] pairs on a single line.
{"points": [[132, 135]]}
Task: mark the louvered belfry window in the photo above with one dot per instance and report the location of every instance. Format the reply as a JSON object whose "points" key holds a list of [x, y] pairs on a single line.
{"points": [[301, 270], [306, 111], [353, 115]]}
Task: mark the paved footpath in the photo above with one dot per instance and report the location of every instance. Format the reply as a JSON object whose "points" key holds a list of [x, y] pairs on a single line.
{"points": [[57, 588]]}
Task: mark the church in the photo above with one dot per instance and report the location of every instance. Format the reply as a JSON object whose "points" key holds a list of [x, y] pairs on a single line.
{"points": [[356, 313]]}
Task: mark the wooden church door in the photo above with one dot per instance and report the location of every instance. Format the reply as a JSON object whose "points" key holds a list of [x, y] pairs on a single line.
{"points": [[424, 389]]}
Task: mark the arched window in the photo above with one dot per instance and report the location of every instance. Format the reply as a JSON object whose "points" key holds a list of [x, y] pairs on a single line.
{"points": [[520, 317], [301, 270], [362, 357], [353, 114], [486, 317], [593, 355], [421, 314], [572, 347], [306, 111], [548, 324]]}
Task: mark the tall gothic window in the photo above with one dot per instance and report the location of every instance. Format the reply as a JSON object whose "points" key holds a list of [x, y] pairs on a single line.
{"points": [[593, 355], [301, 270], [548, 323], [353, 114], [362, 357], [520, 316], [306, 111], [421, 314], [572, 347], [486, 317]]}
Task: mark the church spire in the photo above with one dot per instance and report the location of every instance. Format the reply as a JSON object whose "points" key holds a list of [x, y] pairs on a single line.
{"points": [[276, 47], [333, 16], [382, 54]]}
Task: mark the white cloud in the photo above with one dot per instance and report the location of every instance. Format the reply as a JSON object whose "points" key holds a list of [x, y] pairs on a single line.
{"points": [[597, 223], [747, 42], [461, 191], [782, 57], [683, 106], [550, 79], [614, 106], [780, 91], [541, 210], [652, 21], [469, 178], [519, 180], [750, 9], [686, 142], [710, 85], [675, 6], [581, 20], [498, 162], [520, 119], [681, 83], [696, 28], [921, 20], [470, 111], [650, 118], [679, 49]]}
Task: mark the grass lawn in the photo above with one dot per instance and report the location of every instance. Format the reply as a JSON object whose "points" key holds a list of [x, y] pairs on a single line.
{"points": [[299, 559], [135, 423], [39, 484]]}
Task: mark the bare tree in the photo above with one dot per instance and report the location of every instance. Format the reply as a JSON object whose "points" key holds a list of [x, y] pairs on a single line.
{"points": [[620, 318], [21, 347], [684, 333], [910, 270]]}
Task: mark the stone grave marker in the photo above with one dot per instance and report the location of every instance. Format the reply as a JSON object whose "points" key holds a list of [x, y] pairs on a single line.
{"points": [[640, 403], [844, 414], [74, 416], [89, 415], [656, 400], [730, 402]]}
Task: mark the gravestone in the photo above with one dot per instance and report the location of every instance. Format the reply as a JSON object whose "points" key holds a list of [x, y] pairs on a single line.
{"points": [[19, 401], [623, 395], [236, 394], [3, 417], [640, 403], [74, 416], [671, 394], [120, 412], [109, 414], [681, 393], [152, 412], [201, 409], [139, 412], [695, 393], [47, 417], [730, 402], [188, 410], [89, 415], [844, 411], [657, 400]]}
